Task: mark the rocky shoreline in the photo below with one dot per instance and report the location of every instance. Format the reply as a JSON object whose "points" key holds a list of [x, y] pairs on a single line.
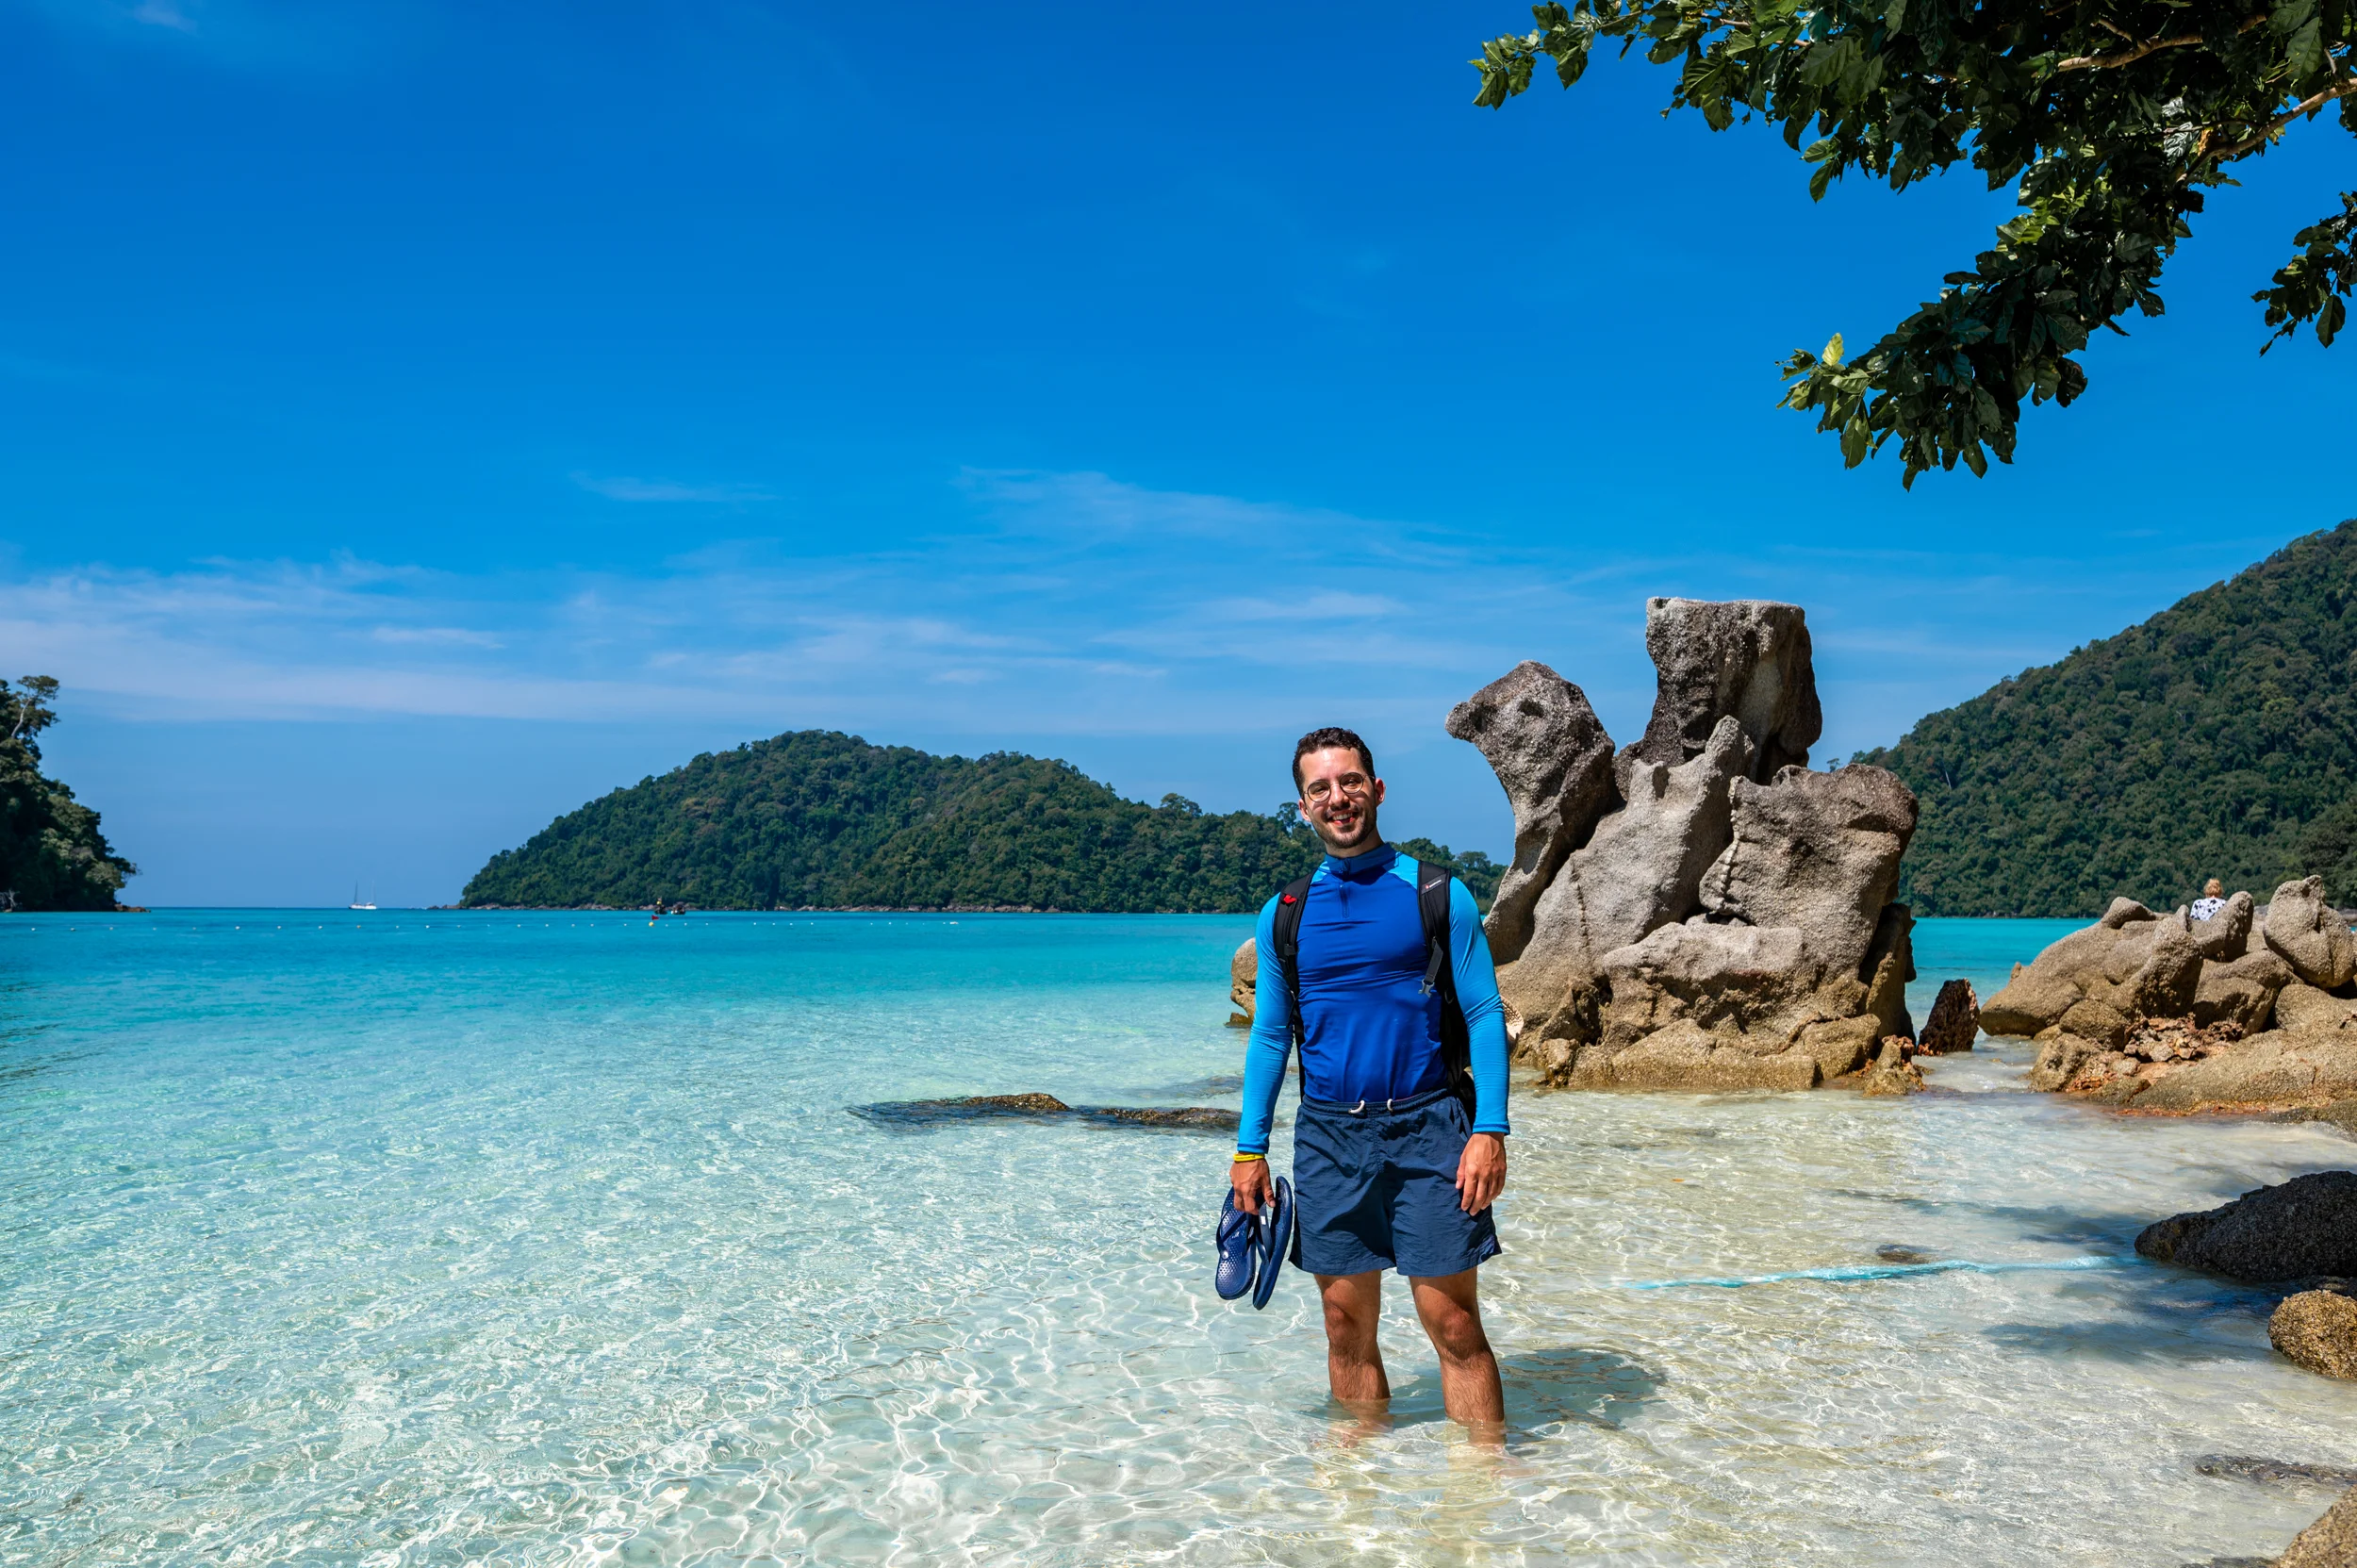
{"points": [[2166, 1015]]}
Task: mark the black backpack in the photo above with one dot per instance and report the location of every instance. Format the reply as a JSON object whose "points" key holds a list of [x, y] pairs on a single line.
{"points": [[1432, 886]]}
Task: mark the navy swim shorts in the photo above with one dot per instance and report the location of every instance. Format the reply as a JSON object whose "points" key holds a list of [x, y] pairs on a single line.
{"points": [[1376, 1188]]}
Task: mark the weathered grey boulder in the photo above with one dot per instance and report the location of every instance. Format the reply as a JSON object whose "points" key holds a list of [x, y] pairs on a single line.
{"points": [[2123, 913], [2162, 971], [1747, 658], [2317, 1330], [2240, 991], [1815, 852], [2062, 1057], [1685, 1055], [2330, 1543], [2308, 933], [1731, 979], [1244, 970], [2302, 1229], [2032, 1001], [1551, 753], [2097, 1021], [2135, 963], [1640, 869], [2225, 935], [2302, 1006], [1955, 1021]]}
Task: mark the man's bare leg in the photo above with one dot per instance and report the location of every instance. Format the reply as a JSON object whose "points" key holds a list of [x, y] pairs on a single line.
{"points": [[1450, 1307], [1354, 1362]]}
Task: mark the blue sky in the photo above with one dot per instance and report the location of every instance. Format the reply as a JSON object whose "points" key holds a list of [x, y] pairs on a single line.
{"points": [[419, 419]]}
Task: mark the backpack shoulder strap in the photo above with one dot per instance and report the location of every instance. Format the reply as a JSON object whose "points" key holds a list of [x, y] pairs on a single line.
{"points": [[1287, 935], [1432, 884]]}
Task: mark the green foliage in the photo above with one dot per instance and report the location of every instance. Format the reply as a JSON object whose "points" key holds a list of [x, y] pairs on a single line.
{"points": [[817, 819], [52, 854], [2217, 739], [2110, 116]]}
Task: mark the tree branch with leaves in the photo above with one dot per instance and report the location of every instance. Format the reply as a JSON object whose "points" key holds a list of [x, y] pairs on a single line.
{"points": [[2110, 118]]}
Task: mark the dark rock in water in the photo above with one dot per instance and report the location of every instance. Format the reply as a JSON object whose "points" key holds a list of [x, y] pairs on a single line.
{"points": [[1955, 1021], [1147, 1116], [1896, 1254], [931, 1113], [2250, 1468], [2305, 1227]]}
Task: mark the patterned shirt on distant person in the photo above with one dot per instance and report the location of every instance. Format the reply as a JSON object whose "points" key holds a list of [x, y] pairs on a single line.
{"points": [[2211, 901]]}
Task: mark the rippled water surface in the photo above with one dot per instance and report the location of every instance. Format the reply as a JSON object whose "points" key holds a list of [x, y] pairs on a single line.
{"points": [[405, 1238]]}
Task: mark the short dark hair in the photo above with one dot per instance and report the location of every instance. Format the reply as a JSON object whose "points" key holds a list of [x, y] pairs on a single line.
{"points": [[1330, 739]]}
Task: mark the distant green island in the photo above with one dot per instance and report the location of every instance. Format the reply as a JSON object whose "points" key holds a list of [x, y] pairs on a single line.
{"points": [[815, 820], [2216, 739], [51, 855]]}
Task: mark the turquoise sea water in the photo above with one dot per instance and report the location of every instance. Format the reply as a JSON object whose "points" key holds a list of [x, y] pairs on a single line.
{"points": [[424, 1238]]}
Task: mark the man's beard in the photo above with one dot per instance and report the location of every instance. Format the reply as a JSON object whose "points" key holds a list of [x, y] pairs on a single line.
{"points": [[1361, 833]]}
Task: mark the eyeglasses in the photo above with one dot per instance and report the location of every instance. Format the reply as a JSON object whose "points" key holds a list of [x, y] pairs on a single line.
{"points": [[1349, 783]]}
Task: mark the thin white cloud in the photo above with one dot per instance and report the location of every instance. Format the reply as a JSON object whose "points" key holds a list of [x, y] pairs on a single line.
{"points": [[431, 637], [622, 488], [1078, 604], [163, 13]]}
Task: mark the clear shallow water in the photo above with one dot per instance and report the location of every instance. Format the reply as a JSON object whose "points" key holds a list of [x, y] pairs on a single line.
{"points": [[390, 1239]]}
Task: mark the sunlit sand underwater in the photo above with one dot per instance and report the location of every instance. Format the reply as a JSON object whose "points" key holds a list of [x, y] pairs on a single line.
{"points": [[426, 1238]]}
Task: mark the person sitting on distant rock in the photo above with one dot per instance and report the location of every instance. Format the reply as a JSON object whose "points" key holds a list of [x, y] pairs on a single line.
{"points": [[2212, 900], [1392, 1168]]}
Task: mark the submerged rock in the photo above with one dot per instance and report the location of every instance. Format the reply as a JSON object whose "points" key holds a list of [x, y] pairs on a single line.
{"points": [[1712, 915], [2254, 1469], [2303, 1229], [2317, 1330], [933, 1113]]}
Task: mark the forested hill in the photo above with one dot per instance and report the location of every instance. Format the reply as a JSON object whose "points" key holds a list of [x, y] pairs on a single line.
{"points": [[2219, 738], [51, 855], [819, 821]]}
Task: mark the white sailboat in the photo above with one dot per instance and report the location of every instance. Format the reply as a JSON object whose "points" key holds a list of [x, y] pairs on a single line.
{"points": [[355, 899]]}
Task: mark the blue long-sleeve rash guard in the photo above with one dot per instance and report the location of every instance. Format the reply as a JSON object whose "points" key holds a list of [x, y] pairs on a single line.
{"points": [[1369, 1032]]}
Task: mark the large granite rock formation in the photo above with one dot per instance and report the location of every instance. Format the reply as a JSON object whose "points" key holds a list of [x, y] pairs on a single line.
{"points": [[2173, 1014], [1701, 910]]}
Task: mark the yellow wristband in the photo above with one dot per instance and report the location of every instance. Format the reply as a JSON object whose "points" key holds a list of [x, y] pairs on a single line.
{"points": [[1242, 1158]]}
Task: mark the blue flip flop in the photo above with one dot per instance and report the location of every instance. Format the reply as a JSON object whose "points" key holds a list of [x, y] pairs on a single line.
{"points": [[1276, 1240], [1236, 1238]]}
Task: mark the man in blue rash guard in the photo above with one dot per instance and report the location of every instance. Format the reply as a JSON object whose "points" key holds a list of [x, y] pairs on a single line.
{"points": [[1389, 1170]]}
